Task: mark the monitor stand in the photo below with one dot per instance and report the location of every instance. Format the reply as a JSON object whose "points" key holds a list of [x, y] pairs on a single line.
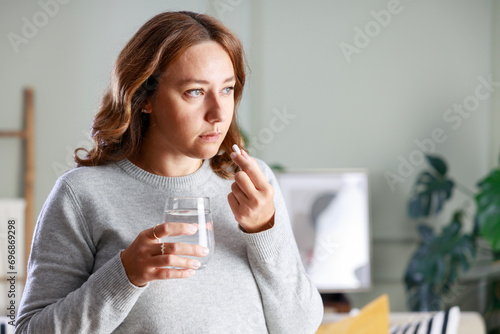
{"points": [[336, 302]]}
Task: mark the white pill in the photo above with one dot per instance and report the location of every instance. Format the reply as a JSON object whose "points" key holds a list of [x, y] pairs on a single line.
{"points": [[236, 149]]}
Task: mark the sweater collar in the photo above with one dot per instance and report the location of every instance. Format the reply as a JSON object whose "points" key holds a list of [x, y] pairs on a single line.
{"points": [[178, 182]]}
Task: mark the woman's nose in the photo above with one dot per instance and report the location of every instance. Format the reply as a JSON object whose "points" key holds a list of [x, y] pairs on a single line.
{"points": [[215, 109]]}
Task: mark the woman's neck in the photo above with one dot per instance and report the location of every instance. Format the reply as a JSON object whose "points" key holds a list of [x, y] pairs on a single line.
{"points": [[162, 165]]}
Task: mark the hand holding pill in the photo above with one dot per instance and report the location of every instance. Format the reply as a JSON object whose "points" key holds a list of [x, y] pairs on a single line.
{"points": [[252, 196]]}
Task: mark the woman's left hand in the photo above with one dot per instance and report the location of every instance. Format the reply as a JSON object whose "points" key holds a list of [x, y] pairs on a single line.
{"points": [[252, 197]]}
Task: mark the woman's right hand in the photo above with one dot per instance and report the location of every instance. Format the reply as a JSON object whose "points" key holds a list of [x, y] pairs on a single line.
{"points": [[143, 259]]}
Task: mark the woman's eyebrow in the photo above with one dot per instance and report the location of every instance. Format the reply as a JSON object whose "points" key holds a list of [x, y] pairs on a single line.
{"points": [[204, 82]]}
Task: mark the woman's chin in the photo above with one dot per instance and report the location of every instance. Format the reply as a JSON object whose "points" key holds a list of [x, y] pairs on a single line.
{"points": [[208, 154]]}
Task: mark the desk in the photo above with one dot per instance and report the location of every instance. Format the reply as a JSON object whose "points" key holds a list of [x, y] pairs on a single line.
{"points": [[470, 322]]}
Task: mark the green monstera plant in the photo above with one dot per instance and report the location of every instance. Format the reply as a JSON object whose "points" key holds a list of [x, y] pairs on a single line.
{"points": [[488, 211], [442, 257]]}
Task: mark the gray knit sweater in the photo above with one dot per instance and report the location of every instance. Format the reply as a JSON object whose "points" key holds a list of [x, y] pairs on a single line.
{"points": [[254, 283]]}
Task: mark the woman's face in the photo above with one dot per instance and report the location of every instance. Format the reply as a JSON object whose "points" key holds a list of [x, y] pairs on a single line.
{"points": [[194, 104]]}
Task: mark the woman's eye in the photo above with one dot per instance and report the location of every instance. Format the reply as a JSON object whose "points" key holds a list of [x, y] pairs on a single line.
{"points": [[228, 90], [194, 92]]}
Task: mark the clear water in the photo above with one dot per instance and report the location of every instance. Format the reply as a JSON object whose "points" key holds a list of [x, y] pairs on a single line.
{"points": [[204, 236]]}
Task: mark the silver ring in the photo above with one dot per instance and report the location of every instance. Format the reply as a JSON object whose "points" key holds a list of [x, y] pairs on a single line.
{"points": [[162, 248]]}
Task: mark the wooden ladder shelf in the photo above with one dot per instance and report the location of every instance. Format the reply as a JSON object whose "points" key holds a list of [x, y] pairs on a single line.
{"points": [[28, 135]]}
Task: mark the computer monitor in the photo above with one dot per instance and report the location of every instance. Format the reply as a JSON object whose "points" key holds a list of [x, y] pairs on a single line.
{"points": [[329, 213]]}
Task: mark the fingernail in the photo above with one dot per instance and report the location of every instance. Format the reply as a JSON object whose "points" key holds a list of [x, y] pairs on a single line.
{"points": [[204, 251], [192, 228], [236, 149], [233, 155], [196, 264], [190, 272]]}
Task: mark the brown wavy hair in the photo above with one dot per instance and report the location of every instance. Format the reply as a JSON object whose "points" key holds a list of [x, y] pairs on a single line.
{"points": [[119, 126]]}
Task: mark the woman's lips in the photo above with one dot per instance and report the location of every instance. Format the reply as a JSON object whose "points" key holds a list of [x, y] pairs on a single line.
{"points": [[211, 137]]}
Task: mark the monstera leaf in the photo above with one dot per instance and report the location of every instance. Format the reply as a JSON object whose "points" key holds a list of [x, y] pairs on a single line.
{"points": [[431, 190], [436, 264], [438, 164], [488, 210]]}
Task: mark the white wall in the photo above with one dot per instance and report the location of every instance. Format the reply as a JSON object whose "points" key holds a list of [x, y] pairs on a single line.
{"points": [[68, 62], [495, 120], [366, 113]]}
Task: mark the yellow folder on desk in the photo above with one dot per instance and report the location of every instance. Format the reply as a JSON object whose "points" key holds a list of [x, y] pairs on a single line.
{"points": [[372, 319]]}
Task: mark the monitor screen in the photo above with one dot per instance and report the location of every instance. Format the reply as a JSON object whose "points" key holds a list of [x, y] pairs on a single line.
{"points": [[329, 213]]}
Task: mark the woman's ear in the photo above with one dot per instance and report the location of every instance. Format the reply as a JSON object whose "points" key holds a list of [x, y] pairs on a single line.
{"points": [[147, 108]]}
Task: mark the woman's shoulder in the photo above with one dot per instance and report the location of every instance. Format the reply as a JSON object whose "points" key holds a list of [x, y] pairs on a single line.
{"points": [[90, 174]]}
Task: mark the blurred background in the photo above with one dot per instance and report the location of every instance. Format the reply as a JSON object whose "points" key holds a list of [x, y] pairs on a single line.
{"points": [[331, 84]]}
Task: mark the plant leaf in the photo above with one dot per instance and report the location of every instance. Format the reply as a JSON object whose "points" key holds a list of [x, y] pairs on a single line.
{"points": [[488, 209], [436, 264], [438, 164], [426, 233], [277, 168], [429, 195]]}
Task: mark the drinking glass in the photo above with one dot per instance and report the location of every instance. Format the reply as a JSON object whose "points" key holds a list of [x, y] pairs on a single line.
{"points": [[192, 210]]}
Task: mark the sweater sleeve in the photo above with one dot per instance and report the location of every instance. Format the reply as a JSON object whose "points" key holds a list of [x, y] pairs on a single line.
{"points": [[62, 293], [291, 302]]}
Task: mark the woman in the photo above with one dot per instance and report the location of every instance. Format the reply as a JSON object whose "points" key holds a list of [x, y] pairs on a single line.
{"points": [[165, 128]]}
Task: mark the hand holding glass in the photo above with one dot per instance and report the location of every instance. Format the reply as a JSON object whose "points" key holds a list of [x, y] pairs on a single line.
{"points": [[196, 211]]}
